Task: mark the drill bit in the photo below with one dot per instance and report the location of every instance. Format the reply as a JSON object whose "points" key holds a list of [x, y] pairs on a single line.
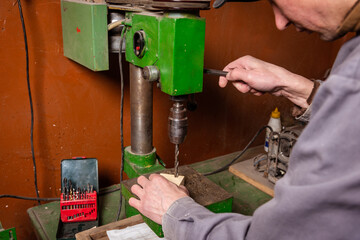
{"points": [[176, 160], [64, 184], [84, 191], [78, 193], [70, 187], [71, 193]]}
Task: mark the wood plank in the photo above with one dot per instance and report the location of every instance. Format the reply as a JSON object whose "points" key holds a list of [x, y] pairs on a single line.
{"points": [[100, 232], [247, 172]]}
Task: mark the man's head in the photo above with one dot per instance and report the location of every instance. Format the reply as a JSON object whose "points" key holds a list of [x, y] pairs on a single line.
{"points": [[321, 16]]}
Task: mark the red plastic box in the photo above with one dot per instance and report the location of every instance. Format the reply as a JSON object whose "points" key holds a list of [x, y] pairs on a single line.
{"points": [[80, 209]]}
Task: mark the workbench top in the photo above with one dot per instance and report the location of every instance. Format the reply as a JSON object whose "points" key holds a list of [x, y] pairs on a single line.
{"points": [[247, 198]]}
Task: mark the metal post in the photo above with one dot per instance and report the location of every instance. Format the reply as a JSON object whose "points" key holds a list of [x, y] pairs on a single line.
{"points": [[141, 102]]}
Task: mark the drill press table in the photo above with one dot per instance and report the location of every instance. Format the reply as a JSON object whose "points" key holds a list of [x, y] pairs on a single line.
{"points": [[247, 198]]}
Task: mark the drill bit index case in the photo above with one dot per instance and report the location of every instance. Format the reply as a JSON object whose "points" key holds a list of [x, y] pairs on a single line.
{"points": [[79, 209], [78, 200]]}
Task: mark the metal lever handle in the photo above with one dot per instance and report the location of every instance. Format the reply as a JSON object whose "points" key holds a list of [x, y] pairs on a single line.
{"points": [[215, 72]]}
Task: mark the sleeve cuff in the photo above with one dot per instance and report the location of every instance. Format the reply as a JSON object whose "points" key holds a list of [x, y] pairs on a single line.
{"points": [[305, 117], [303, 114], [178, 211]]}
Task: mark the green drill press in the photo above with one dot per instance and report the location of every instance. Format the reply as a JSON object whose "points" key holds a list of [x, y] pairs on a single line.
{"points": [[167, 48], [164, 43]]}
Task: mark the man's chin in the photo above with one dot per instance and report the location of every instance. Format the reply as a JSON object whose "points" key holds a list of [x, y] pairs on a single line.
{"points": [[329, 36]]}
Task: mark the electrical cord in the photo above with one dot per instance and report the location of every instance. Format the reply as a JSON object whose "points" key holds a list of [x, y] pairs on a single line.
{"points": [[115, 24], [160, 161], [30, 100], [28, 198], [101, 192], [241, 153], [123, 32]]}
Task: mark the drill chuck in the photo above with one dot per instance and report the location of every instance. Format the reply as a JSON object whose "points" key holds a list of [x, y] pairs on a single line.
{"points": [[177, 123]]}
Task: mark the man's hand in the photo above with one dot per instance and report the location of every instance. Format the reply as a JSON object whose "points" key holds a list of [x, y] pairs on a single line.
{"points": [[249, 74], [156, 195]]}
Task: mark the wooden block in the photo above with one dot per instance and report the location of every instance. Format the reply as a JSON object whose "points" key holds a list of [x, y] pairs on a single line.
{"points": [[176, 180], [246, 171], [100, 232]]}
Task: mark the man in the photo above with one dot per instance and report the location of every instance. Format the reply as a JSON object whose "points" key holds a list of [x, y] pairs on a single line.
{"points": [[319, 197]]}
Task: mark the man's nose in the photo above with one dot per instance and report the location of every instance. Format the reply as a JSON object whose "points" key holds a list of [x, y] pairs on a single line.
{"points": [[280, 20]]}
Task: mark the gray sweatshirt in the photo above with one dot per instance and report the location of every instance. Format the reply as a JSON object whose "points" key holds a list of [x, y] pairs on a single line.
{"points": [[319, 197]]}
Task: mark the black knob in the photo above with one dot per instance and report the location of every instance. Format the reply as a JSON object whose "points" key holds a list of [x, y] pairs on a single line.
{"points": [[139, 43]]}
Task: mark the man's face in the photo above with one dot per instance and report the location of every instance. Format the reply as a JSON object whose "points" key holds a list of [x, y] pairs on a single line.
{"points": [[321, 16]]}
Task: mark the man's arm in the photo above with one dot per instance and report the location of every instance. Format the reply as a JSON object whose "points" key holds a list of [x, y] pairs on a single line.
{"points": [[185, 219]]}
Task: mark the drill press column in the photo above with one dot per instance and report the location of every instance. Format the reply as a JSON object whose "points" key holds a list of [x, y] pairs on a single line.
{"points": [[140, 156], [141, 102]]}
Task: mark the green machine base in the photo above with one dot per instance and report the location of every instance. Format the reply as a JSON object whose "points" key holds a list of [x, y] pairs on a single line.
{"points": [[201, 189], [137, 164]]}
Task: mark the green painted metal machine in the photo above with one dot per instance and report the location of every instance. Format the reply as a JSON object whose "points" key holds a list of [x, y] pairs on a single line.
{"points": [[164, 43], [172, 42], [7, 234], [85, 34]]}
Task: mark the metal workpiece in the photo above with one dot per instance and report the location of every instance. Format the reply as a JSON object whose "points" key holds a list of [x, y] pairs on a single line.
{"points": [[141, 108], [177, 123], [151, 73]]}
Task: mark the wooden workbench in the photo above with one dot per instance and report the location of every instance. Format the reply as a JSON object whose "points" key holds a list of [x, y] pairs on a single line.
{"points": [[247, 198]]}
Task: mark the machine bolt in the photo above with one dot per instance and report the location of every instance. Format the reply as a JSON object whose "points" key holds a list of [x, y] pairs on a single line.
{"points": [[151, 73]]}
